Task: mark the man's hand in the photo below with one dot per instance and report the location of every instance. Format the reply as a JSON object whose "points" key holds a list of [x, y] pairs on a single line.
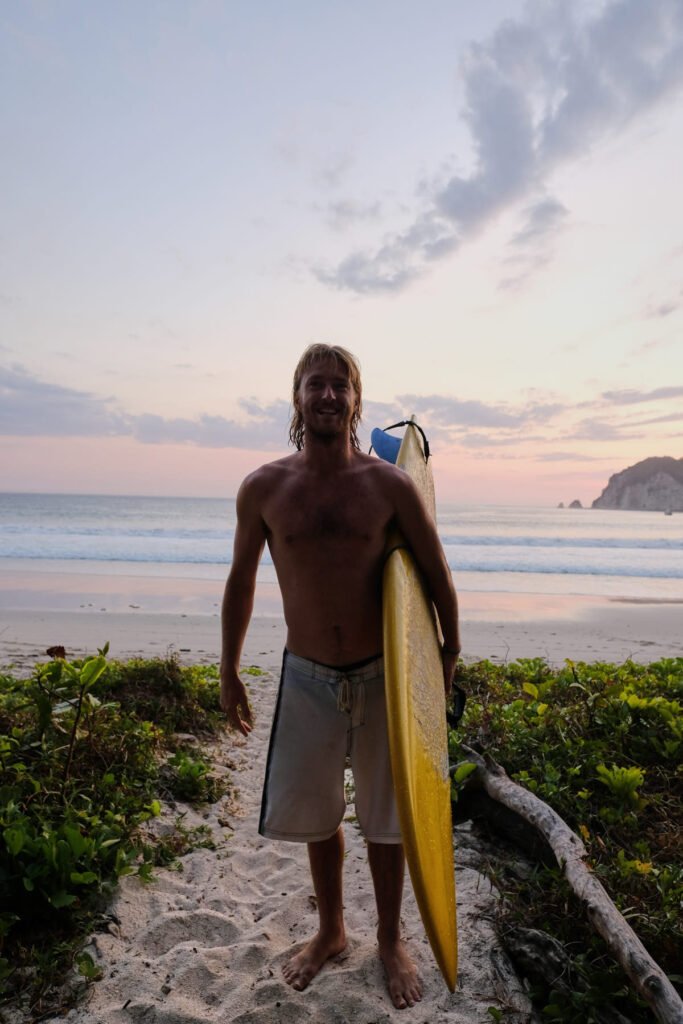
{"points": [[235, 703], [450, 662]]}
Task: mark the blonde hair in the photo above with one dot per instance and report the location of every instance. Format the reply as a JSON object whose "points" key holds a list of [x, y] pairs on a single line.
{"points": [[316, 354]]}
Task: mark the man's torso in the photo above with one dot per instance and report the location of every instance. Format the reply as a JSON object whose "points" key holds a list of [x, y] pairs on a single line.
{"points": [[327, 535]]}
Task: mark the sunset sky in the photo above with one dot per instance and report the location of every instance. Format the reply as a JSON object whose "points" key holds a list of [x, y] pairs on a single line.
{"points": [[482, 200]]}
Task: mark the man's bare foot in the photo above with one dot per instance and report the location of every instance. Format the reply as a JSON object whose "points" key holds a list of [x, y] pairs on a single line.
{"points": [[403, 980], [302, 968]]}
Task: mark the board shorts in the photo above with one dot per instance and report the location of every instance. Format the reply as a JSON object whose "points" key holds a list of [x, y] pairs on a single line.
{"points": [[323, 717]]}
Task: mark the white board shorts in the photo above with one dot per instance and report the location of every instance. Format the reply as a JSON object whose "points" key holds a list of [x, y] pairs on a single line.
{"points": [[324, 716]]}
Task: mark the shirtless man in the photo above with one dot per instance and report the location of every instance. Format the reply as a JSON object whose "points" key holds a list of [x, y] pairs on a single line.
{"points": [[325, 513]]}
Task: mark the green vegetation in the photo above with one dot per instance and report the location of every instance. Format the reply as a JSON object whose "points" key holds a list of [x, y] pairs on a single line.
{"points": [[602, 745], [87, 750]]}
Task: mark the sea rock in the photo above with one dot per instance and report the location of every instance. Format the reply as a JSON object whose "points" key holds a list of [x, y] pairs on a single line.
{"points": [[576, 504], [653, 485]]}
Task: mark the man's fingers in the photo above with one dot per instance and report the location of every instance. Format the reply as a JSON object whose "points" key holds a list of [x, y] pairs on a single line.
{"points": [[241, 719], [235, 703]]}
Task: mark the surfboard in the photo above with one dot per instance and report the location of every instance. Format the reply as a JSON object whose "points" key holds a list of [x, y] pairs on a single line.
{"points": [[416, 713]]}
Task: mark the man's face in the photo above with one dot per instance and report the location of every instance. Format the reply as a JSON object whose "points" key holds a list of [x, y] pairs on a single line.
{"points": [[326, 399]]}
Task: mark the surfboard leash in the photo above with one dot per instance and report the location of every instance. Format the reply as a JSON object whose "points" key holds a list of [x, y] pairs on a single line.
{"points": [[410, 423]]}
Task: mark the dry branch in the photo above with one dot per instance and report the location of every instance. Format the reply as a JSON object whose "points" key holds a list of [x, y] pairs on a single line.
{"points": [[645, 975]]}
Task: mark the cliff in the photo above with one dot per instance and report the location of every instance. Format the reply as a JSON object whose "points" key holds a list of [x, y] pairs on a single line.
{"points": [[653, 485]]}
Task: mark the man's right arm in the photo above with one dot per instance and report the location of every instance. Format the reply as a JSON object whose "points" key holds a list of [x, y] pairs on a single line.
{"points": [[238, 602]]}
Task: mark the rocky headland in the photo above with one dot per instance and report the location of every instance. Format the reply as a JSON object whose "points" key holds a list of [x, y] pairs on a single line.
{"points": [[652, 485]]}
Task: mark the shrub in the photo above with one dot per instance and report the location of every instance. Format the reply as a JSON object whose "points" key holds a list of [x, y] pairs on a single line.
{"points": [[602, 745], [80, 773]]}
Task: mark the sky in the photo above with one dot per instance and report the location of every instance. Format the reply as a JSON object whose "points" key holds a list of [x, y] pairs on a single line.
{"points": [[481, 200]]}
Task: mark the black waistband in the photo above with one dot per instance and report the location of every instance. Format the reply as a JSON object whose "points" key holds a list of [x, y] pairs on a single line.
{"points": [[352, 666]]}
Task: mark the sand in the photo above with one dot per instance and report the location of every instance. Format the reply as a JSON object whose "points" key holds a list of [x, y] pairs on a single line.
{"points": [[492, 627], [207, 942]]}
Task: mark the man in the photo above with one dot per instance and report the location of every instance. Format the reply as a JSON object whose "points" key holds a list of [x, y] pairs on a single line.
{"points": [[325, 512]]}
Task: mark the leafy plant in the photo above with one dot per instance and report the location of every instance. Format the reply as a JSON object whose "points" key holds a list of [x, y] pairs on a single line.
{"points": [[602, 744], [80, 776], [622, 783], [190, 778]]}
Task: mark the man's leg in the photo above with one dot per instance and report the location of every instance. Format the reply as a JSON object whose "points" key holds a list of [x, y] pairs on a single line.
{"points": [[326, 860], [387, 864]]}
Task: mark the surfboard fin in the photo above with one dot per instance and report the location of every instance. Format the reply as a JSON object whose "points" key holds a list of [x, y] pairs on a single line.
{"points": [[385, 445]]}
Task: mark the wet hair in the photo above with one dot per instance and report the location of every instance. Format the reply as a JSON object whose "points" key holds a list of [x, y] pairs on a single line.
{"points": [[317, 354]]}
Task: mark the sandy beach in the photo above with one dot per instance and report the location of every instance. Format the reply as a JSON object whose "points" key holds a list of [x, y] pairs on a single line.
{"points": [[207, 942], [142, 615]]}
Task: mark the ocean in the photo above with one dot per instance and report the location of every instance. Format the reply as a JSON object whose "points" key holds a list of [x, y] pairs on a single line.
{"points": [[604, 553]]}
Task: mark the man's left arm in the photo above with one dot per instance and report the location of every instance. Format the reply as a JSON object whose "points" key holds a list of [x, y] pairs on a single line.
{"points": [[419, 530]]}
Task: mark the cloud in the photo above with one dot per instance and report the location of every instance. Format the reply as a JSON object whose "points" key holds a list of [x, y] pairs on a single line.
{"points": [[568, 457], [468, 423], [33, 407], [541, 91], [600, 430], [381, 414], [533, 245], [473, 440], [390, 268], [633, 397], [664, 309], [650, 346], [453, 412], [30, 407], [334, 169], [345, 213], [674, 417], [542, 218], [267, 433]]}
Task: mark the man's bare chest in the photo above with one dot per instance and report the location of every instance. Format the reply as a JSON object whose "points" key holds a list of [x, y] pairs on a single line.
{"points": [[305, 518]]}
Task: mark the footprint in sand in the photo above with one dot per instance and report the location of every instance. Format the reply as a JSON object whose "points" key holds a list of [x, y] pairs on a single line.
{"points": [[172, 929]]}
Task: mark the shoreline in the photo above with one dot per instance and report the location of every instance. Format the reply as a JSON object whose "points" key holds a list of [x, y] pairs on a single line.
{"points": [[154, 616], [597, 630]]}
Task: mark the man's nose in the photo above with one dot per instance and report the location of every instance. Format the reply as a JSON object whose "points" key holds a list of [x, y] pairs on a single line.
{"points": [[328, 391]]}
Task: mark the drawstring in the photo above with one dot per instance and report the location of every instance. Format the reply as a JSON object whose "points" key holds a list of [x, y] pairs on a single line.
{"points": [[351, 700], [345, 695]]}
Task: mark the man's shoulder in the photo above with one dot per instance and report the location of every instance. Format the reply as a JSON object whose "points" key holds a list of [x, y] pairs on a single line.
{"points": [[262, 479], [386, 473], [386, 478], [272, 470]]}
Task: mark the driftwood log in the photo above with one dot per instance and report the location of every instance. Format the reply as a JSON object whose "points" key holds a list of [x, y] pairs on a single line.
{"points": [[648, 979]]}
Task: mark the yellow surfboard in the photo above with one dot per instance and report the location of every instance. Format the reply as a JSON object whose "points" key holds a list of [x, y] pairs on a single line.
{"points": [[418, 736]]}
